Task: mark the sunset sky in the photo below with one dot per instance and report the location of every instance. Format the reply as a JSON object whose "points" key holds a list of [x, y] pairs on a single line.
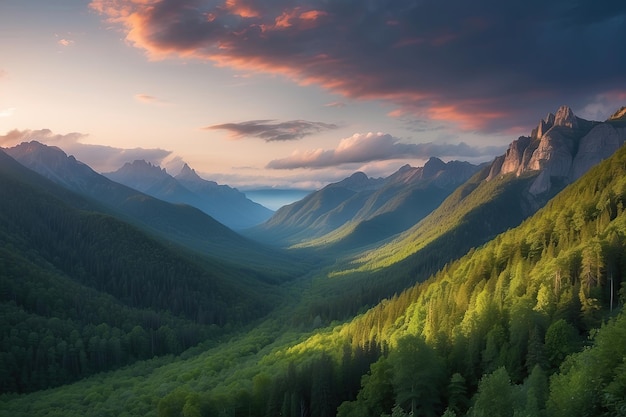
{"points": [[294, 94]]}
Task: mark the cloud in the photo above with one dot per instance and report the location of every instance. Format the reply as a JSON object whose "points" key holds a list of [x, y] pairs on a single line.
{"points": [[335, 104], [100, 158], [65, 42], [3, 73], [361, 148], [7, 112], [270, 131], [46, 136], [148, 99], [485, 65]]}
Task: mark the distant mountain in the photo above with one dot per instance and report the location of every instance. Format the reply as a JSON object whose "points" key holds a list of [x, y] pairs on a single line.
{"points": [[182, 224], [359, 210], [227, 205]]}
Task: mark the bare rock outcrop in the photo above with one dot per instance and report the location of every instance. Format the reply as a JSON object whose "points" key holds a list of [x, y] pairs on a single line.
{"points": [[561, 148]]}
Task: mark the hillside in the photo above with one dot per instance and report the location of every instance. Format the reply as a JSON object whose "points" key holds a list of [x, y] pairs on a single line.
{"points": [[495, 199], [502, 331], [182, 224], [82, 291]]}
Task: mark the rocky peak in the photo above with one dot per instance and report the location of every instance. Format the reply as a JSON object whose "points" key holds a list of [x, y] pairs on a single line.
{"points": [[143, 168], [565, 117], [543, 127], [37, 151], [513, 157], [188, 173], [562, 147], [432, 167], [405, 168], [618, 115], [49, 161]]}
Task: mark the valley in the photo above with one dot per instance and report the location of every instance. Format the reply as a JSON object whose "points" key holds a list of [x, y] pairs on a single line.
{"points": [[451, 289]]}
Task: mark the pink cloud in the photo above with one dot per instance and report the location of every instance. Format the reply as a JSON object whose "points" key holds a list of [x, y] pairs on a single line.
{"points": [[65, 42]]}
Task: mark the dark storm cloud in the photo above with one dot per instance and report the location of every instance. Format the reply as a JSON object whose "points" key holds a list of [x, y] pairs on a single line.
{"points": [[270, 131], [485, 64]]}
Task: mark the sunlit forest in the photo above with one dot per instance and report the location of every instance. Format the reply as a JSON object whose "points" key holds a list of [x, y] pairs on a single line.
{"points": [[101, 318]]}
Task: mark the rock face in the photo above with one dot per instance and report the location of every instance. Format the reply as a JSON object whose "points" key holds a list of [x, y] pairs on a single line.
{"points": [[561, 148]]}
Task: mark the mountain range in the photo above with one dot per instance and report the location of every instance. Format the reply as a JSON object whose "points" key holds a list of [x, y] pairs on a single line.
{"points": [[184, 224], [227, 205], [359, 210], [445, 290]]}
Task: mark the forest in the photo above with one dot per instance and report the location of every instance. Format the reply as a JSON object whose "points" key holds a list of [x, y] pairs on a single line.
{"points": [[527, 323]]}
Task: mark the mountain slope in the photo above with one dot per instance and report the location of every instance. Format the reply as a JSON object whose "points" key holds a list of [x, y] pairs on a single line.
{"points": [[523, 303], [83, 292], [538, 166], [359, 210], [489, 203], [225, 204], [182, 224]]}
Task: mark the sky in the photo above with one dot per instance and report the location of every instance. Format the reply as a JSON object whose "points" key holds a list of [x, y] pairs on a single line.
{"points": [[300, 93]]}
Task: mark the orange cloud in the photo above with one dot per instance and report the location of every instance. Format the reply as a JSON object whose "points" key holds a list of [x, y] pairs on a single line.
{"points": [[301, 20], [474, 119], [242, 9]]}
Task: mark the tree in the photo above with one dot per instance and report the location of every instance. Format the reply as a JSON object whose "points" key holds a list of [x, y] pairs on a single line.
{"points": [[376, 394], [418, 376], [494, 397], [457, 394], [560, 341]]}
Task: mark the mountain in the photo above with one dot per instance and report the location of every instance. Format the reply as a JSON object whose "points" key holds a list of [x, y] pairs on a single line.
{"points": [[500, 196], [227, 205], [531, 323], [82, 291], [359, 210], [562, 148], [183, 224]]}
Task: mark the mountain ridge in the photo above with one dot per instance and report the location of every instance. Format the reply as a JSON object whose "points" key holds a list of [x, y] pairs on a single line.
{"points": [[227, 205], [383, 206], [182, 224]]}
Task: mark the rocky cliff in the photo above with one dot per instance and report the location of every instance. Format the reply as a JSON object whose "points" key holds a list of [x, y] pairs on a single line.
{"points": [[561, 148]]}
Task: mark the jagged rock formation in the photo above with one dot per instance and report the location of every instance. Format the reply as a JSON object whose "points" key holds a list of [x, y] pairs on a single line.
{"points": [[561, 148]]}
